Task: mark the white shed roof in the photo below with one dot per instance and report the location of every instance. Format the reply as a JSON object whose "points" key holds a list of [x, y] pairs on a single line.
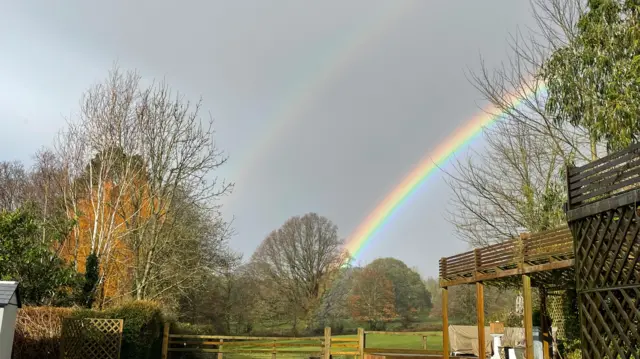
{"points": [[7, 290]]}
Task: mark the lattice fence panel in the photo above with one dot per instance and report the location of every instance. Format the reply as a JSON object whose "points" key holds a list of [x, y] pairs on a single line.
{"points": [[91, 338], [607, 246], [555, 310]]}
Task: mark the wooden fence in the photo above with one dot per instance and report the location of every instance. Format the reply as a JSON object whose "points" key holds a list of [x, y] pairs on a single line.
{"points": [[424, 351], [605, 177], [91, 338], [322, 347], [604, 217]]}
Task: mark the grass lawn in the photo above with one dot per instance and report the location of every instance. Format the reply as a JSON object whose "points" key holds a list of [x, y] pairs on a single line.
{"points": [[434, 341]]}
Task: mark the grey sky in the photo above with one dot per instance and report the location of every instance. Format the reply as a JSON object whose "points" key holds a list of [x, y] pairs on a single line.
{"points": [[310, 124]]}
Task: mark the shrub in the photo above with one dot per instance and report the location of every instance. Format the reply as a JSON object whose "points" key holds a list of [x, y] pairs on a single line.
{"points": [[142, 331], [39, 329], [38, 332]]}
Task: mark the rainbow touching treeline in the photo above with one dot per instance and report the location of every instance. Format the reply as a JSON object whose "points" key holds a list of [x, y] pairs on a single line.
{"points": [[366, 231]]}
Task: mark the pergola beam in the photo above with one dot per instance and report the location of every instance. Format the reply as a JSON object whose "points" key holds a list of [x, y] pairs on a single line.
{"points": [[526, 269]]}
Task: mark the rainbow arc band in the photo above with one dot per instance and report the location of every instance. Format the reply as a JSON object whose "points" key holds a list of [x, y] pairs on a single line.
{"points": [[444, 151]]}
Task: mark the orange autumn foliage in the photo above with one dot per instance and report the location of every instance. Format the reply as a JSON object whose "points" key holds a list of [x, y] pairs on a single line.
{"points": [[373, 297], [112, 216]]}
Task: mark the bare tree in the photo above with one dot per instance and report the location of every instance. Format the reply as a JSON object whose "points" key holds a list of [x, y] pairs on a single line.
{"points": [[517, 183], [294, 262], [139, 165], [514, 185], [94, 151], [180, 157], [14, 184]]}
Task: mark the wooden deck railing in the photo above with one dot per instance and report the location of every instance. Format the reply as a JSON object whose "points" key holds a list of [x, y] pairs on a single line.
{"points": [[541, 251], [608, 176]]}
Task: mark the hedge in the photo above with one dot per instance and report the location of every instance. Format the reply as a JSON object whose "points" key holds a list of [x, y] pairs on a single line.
{"points": [[38, 330], [142, 331]]}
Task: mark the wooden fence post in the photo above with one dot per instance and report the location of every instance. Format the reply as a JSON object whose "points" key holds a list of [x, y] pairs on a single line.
{"points": [[273, 352], [220, 349], [361, 342], [165, 341], [326, 353]]}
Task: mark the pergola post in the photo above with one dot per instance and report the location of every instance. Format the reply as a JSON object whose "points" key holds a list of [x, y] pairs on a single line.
{"points": [[445, 323], [544, 324], [480, 311], [528, 315]]}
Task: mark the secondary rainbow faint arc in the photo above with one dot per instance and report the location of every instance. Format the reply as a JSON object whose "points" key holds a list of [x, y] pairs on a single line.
{"points": [[437, 157], [322, 70]]}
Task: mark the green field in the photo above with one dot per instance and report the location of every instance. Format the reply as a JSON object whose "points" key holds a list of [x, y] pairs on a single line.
{"points": [[434, 342]]}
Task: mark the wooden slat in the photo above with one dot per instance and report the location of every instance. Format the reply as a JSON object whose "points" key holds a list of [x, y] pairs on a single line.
{"points": [[499, 259], [243, 351], [610, 158], [226, 337], [604, 178]]}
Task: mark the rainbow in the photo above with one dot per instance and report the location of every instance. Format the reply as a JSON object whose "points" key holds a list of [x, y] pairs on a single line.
{"points": [[460, 138], [322, 68]]}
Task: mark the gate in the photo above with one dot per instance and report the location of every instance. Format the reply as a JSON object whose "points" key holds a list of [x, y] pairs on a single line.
{"points": [[91, 338], [603, 211]]}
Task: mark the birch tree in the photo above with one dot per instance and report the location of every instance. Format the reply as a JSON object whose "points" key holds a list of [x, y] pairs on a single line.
{"points": [[139, 163]]}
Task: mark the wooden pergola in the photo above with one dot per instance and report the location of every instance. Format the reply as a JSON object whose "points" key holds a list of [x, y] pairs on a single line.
{"points": [[544, 260]]}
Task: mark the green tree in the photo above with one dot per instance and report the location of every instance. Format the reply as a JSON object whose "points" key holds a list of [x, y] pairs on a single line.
{"points": [[594, 81], [91, 278], [45, 279], [333, 309], [372, 298], [411, 295]]}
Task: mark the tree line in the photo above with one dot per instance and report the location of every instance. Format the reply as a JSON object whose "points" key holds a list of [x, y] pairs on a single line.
{"points": [[125, 204]]}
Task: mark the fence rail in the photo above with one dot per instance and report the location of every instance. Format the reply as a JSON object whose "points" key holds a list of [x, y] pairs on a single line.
{"points": [[548, 250], [275, 346], [423, 351], [603, 178], [323, 347]]}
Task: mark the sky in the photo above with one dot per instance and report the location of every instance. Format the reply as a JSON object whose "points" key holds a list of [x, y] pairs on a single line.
{"points": [[321, 106]]}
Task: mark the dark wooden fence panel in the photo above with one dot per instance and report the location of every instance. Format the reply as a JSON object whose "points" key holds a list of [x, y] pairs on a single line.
{"points": [[610, 175], [603, 218]]}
